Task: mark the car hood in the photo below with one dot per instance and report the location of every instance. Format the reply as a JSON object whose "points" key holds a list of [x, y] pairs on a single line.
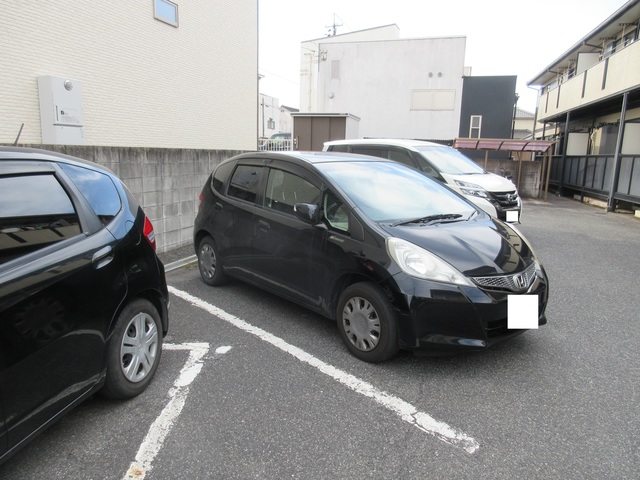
{"points": [[477, 247], [488, 181]]}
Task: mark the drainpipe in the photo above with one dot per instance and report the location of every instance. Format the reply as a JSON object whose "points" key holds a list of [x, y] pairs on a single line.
{"points": [[564, 153], [611, 204]]}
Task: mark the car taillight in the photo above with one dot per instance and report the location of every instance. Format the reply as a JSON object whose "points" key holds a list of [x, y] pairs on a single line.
{"points": [[200, 198], [148, 232]]}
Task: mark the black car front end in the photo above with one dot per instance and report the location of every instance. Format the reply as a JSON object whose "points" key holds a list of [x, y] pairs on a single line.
{"points": [[440, 317], [471, 312]]}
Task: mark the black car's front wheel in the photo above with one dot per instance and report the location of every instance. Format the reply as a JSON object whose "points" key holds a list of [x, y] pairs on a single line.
{"points": [[367, 323], [210, 263], [134, 350]]}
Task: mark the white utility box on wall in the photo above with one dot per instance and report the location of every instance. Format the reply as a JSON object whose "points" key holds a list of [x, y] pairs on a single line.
{"points": [[61, 110]]}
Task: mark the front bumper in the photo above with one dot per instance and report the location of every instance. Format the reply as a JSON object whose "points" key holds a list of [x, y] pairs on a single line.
{"points": [[442, 317]]}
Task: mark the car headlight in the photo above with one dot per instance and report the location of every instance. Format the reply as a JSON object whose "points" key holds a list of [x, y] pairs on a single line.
{"points": [[418, 262], [472, 189]]}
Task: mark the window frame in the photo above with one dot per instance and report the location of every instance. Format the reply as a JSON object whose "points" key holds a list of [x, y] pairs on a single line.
{"points": [[162, 18], [473, 128]]}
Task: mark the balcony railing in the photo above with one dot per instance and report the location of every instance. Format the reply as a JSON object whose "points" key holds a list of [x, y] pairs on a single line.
{"points": [[612, 75]]}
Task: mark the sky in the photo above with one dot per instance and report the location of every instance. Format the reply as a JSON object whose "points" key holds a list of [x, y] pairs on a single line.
{"points": [[504, 37]]}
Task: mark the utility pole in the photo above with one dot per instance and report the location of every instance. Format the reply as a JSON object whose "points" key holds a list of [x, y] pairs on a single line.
{"points": [[333, 28]]}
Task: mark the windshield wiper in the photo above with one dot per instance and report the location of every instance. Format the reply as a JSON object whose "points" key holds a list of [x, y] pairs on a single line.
{"points": [[428, 219]]}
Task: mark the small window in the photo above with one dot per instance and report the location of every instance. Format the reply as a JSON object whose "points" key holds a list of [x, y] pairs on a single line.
{"points": [[284, 190], [220, 176], [166, 11], [335, 212], [245, 183], [36, 212], [630, 37], [475, 126], [98, 189]]}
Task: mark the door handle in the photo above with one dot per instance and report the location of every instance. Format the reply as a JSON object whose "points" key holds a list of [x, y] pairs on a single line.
{"points": [[217, 206], [264, 225], [102, 257]]}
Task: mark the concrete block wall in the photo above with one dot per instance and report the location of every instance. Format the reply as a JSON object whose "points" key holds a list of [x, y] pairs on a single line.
{"points": [[166, 182]]}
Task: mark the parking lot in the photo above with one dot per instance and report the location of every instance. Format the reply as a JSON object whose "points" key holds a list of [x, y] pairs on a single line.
{"points": [[252, 386]]}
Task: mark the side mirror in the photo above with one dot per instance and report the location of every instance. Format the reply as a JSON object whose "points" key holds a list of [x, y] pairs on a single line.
{"points": [[307, 212]]}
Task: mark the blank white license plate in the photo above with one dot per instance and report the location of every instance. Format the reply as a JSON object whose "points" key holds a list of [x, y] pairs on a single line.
{"points": [[522, 311]]}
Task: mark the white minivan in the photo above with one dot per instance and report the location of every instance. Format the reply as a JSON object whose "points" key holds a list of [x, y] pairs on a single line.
{"points": [[494, 194]]}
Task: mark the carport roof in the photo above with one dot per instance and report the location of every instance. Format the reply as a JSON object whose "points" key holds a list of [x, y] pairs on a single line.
{"points": [[508, 144]]}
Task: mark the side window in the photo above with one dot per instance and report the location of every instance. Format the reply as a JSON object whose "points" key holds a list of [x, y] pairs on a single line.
{"points": [[285, 189], [338, 148], [374, 152], [245, 183], [220, 176], [335, 212], [401, 157], [98, 189], [425, 166], [36, 212]]}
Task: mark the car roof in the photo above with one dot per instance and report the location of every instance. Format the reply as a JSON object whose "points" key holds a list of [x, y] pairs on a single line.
{"points": [[310, 157], [395, 142], [36, 154]]}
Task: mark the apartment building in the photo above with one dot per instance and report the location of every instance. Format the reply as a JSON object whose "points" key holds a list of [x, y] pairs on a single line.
{"points": [[590, 102]]}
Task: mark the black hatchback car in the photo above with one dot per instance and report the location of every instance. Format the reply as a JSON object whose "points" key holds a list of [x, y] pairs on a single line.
{"points": [[398, 259], [83, 296]]}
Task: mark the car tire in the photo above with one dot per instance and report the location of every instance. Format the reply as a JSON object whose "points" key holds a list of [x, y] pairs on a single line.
{"points": [[367, 323], [210, 263], [133, 351]]}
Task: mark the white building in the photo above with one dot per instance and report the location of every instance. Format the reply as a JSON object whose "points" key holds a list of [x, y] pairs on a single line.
{"points": [[268, 116], [156, 73], [398, 87]]}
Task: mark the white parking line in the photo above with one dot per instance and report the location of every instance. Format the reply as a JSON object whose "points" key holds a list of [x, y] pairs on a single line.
{"points": [[405, 410], [161, 427]]}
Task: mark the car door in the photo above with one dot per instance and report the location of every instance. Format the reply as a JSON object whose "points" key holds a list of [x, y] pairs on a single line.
{"points": [[61, 280], [234, 219], [289, 256]]}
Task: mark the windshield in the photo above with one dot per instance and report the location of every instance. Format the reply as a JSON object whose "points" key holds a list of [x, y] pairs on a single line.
{"points": [[449, 160], [389, 192]]}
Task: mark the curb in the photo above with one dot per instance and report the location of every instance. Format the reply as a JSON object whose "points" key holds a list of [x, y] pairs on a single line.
{"points": [[180, 263]]}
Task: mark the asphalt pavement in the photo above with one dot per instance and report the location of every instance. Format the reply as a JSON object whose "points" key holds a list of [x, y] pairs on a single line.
{"points": [[274, 393]]}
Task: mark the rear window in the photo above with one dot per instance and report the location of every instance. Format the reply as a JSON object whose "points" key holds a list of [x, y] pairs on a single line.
{"points": [[36, 212]]}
